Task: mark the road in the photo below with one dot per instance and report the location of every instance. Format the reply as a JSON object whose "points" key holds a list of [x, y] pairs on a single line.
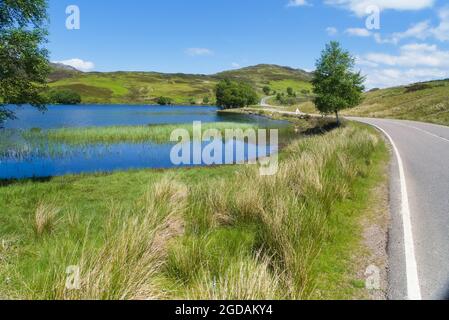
{"points": [[419, 199], [419, 234]]}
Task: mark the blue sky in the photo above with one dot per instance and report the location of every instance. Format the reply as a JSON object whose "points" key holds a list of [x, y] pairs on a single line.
{"points": [[207, 36]]}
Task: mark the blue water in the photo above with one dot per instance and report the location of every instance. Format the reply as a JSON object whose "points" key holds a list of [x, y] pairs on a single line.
{"points": [[61, 116], [21, 159]]}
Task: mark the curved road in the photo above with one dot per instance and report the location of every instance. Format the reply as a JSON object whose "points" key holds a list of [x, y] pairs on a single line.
{"points": [[419, 261], [419, 199]]}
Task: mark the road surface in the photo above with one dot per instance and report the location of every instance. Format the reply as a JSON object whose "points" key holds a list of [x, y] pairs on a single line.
{"points": [[419, 198], [419, 261]]}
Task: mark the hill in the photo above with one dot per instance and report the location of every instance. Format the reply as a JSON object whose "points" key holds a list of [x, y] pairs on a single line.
{"points": [[427, 101], [146, 87]]}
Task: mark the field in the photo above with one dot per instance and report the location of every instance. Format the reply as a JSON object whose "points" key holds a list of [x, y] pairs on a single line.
{"points": [[213, 233], [427, 102], [184, 89]]}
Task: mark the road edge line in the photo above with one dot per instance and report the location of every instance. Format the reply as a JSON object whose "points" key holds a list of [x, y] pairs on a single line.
{"points": [[413, 287]]}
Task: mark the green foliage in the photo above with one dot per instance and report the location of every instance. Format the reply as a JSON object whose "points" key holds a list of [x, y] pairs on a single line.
{"points": [[64, 96], [290, 92], [266, 90], [206, 100], [336, 85], [163, 101], [24, 66], [233, 94]]}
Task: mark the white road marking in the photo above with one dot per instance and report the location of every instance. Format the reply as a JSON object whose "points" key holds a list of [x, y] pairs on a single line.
{"points": [[424, 131], [413, 287]]}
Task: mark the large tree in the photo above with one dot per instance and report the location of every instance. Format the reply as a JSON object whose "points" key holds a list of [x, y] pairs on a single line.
{"points": [[336, 85], [23, 61], [233, 94]]}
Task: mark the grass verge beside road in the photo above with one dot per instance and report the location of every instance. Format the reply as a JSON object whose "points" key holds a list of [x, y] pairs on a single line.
{"points": [[211, 233]]}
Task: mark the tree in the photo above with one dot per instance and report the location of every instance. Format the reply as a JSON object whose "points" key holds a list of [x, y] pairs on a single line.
{"points": [[266, 90], [64, 96], [206, 100], [24, 65], [232, 94], [290, 92], [163, 101], [336, 85]]}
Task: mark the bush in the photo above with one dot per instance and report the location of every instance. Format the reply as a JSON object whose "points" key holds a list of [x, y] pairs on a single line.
{"points": [[232, 94], [163, 101], [206, 100], [417, 87], [64, 96], [267, 90]]}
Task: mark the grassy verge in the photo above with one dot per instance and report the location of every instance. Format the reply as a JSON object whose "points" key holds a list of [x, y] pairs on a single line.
{"points": [[211, 233], [154, 133], [426, 102]]}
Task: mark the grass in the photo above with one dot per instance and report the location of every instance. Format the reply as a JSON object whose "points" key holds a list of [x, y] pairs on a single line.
{"points": [[427, 102], [135, 134], [211, 233], [184, 89]]}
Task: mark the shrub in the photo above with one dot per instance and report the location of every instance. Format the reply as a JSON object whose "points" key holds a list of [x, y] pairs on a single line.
{"points": [[232, 94], [163, 101], [64, 96]]}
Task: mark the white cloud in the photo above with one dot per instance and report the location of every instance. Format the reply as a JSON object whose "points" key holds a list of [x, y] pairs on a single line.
{"points": [[331, 31], [359, 7], [297, 3], [413, 55], [441, 32], [414, 63], [358, 32], [382, 78], [235, 65], [422, 30], [194, 52], [78, 64]]}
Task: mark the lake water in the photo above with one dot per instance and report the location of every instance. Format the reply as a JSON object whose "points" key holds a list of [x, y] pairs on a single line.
{"points": [[19, 159]]}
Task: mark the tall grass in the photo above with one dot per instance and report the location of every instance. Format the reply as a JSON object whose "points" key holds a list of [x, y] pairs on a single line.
{"points": [[153, 133], [45, 218], [197, 235]]}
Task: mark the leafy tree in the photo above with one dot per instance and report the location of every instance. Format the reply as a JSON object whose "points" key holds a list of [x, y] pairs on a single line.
{"points": [[290, 92], [206, 100], [232, 94], [266, 90], [24, 65], [64, 96], [163, 101], [336, 85]]}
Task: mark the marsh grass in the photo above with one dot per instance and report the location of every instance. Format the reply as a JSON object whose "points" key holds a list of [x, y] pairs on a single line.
{"points": [[133, 134], [45, 218], [209, 233]]}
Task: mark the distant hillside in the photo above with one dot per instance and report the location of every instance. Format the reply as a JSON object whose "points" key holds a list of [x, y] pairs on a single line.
{"points": [[428, 102], [146, 87]]}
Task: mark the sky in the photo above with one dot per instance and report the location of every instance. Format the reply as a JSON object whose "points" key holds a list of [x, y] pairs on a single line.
{"points": [[394, 41]]}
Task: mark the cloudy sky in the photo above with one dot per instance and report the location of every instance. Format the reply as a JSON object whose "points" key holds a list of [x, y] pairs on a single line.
{"points": [[408, 43]]}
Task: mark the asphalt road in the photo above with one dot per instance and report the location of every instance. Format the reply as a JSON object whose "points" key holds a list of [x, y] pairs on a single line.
{"points": [[423, 149], [418, 246]]}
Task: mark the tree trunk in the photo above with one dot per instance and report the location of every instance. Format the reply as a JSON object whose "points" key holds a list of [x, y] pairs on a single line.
{"points": [[338, 117]]}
